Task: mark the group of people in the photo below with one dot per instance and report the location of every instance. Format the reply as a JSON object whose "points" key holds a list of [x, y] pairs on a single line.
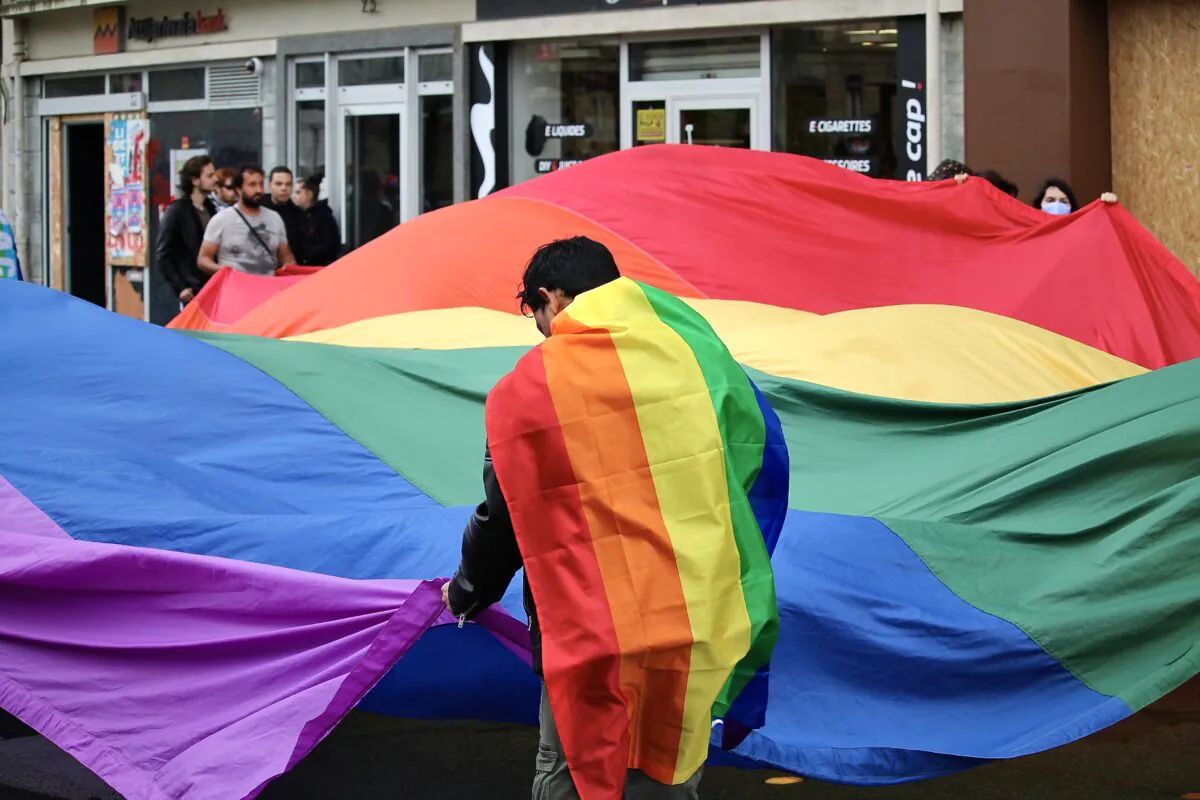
{"points": [[1054, 197], [233, 218]]}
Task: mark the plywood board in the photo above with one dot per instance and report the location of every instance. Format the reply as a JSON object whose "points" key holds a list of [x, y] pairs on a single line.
{"points": [[128, 297], [57, 232], [1154, 65]]}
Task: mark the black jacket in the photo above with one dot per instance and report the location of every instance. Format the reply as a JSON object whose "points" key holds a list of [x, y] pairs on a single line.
{"points": [[490, 559], [294, 222], [321, 242], [178, 246]]}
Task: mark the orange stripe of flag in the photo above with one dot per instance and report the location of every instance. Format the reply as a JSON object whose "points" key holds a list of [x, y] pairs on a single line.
{"points": [[632, 545]]}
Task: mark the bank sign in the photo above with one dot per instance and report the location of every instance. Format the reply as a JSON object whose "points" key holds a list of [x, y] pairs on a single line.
{"points": [[149, 29], [507, 9]]}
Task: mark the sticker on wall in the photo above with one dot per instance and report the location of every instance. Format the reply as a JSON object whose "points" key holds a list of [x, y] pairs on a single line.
{"points": [[651, 125]]}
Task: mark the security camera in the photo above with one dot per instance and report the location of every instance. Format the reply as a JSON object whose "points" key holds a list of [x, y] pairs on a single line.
{"points": [[254, 66]]}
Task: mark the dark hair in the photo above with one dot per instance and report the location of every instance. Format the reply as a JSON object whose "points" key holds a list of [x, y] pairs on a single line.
{"points": [[313, 183], [239, 177], [191, 170], [276, 170], [571, 266], [1000, 182], [1062, 186], [949, 169]]}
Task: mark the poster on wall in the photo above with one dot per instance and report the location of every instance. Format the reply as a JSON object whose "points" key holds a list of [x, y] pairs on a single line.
{"points": [[911, 135], [126, 222]]}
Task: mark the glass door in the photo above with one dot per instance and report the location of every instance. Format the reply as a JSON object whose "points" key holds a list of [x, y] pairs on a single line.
{"points": [[373, 199], [715, 122]]}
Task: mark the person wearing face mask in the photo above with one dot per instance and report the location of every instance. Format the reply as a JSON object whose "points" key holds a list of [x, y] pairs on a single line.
{"points": [[1056, 198]]}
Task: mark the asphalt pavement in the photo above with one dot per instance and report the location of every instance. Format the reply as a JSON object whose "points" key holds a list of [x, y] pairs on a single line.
{"points": [[1152, 756]]}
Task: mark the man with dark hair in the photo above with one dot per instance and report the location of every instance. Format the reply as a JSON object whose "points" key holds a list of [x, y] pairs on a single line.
{"points": [[561, 271], [560, 274], [181, 229], [280, 201], [246, 237]]}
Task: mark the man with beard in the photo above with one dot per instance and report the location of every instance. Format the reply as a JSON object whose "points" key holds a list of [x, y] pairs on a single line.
{"points": [[246, 237]]}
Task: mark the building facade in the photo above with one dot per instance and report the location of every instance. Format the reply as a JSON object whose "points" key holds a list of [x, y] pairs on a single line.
{"points": [[107, 100], [408, 106], [849, 83]]}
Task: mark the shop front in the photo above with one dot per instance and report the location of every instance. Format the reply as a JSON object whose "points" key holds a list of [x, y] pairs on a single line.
{"points": [[117, 97], [850, 92], [376, 122]]}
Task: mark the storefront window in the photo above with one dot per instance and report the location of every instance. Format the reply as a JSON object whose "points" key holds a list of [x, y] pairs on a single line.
{"points": [[435, 67], [177, 84], [73, 87], [565, 101], [310, 75], [310, 138], [696, 59], [437, 151], [834, 93], [370, 71], [125, 82]]}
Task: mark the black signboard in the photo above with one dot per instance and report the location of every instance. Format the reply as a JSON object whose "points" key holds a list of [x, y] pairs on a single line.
{"points": [[911, 133], [507, 9]]}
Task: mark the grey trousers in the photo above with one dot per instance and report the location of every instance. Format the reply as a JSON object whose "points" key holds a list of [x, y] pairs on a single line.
{"points": [[553, 779]]}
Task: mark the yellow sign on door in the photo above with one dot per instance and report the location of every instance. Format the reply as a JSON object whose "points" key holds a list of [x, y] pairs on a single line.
{"points": [[652, 125]]}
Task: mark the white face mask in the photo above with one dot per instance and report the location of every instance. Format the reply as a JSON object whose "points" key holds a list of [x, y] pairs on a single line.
{"points": [[1059, 208]]}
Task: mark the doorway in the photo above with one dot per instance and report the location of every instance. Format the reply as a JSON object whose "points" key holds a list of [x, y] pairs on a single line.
{"points": [[716, 123], [83, 211], [373, 155]]}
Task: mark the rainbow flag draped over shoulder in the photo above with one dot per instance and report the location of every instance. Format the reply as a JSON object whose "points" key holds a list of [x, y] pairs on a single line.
{"points": [[646, 479]]}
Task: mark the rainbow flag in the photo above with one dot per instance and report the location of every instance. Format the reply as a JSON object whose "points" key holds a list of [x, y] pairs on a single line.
{"points": [[646, 478], [992, 418]]}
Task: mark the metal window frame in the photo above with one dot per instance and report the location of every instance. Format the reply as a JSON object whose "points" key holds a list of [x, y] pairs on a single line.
{"points": [[366, 110], [756, 91]]}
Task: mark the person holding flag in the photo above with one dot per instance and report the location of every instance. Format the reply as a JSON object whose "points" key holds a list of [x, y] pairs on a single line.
{"points": [[641, 479]]}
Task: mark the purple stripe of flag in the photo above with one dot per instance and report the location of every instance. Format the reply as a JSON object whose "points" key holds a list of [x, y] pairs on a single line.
{"points": [[18, 514]]}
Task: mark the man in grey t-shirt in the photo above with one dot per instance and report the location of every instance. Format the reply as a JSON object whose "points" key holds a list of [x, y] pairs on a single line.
{"points": [[246, 237]]}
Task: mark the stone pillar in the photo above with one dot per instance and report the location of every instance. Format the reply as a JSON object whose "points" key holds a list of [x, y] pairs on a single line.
{"points": [[1036, 92]]}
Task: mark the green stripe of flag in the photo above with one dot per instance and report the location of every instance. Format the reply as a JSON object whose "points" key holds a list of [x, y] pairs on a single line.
{"points": [[743, 434]]}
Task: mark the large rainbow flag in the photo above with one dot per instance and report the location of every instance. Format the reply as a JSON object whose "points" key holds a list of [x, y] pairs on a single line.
{"points": [[234, 535]]}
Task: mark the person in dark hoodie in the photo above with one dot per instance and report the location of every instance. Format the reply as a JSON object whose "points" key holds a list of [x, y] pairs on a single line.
{"points": [[280, 201], [320, 238], [181, 229]]}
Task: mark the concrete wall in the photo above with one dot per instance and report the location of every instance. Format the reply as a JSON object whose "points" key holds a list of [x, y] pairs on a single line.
{"points": [[1036, 92], [68, 33], [953, 120]]}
